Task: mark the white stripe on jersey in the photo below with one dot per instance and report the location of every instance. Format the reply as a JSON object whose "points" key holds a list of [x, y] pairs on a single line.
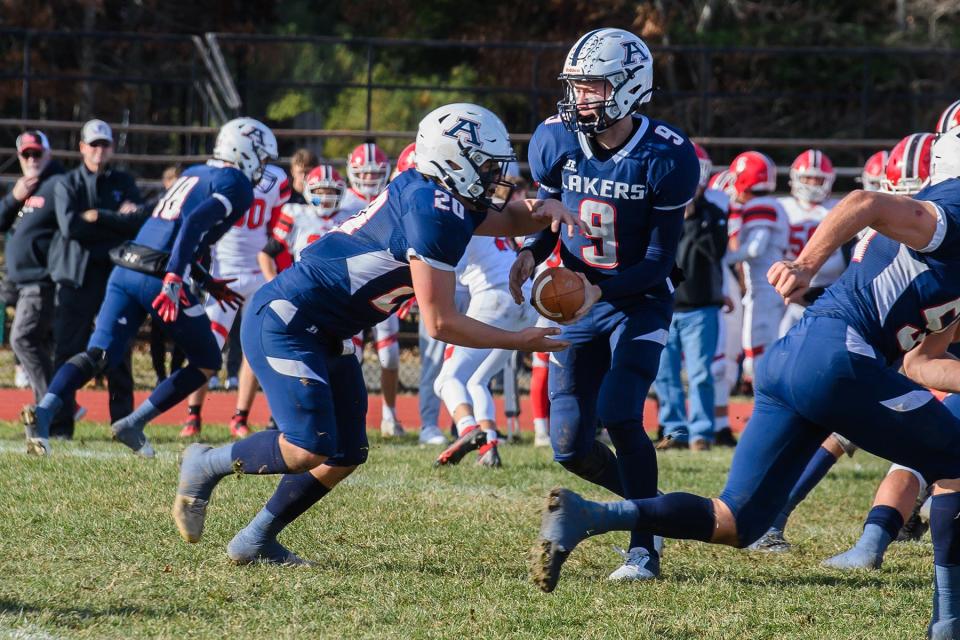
{"points": [[890, 283], [365, 267]]}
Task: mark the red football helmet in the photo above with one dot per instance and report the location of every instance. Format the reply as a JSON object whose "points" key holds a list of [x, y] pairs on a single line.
{"points": [[753, 172], [407, 158], [706, 165], [323, 189], [949, 119], [908, 168], [722, 181], [368, 169], [811, 177], [874, 170]]}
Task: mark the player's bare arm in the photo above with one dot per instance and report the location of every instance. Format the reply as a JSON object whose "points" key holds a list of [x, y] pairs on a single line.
{"points": [[930, 365], [523, 217], [900, 218], [435, 288], [267, 266]]}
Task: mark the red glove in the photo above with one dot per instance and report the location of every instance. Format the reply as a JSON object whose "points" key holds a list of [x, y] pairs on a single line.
{"points": [[224, 295], [170, 297]]}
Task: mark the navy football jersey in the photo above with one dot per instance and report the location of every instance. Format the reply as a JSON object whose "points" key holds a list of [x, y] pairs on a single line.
{"points": [[195, 187], [655, 171], [893, 296], [359, 273]]}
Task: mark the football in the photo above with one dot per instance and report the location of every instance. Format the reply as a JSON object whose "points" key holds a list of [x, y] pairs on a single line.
{"points": [[557, 294]]}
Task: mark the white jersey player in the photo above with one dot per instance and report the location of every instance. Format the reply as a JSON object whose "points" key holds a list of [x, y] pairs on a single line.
{"points": [[463, 382], [811, 183], [759, 233], [235, 257], [368, 171]]}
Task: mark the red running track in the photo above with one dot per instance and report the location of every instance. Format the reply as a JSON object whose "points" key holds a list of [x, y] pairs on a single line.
{"points": [[220, 406]]}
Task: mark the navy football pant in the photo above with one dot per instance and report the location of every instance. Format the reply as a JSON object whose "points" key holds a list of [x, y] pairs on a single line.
{"points": [[820, 378], [318, 400]]}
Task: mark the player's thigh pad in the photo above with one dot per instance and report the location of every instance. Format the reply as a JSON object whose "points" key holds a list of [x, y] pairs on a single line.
{"points": [[350, 409], [291, 365], [120, 315]]}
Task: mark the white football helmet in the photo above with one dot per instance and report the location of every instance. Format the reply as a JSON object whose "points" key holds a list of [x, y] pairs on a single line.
{"points": [[453, 144], [945, 156], [614, 55], [247, 144]]}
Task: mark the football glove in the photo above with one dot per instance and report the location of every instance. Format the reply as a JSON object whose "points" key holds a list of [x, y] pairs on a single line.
{"points": [[224, 295], [171, 296]]}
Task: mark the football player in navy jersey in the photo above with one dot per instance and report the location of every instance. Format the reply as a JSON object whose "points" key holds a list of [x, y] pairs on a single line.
{"points": [[629, 179], [297, 332], [834, 371], [193, 214]]}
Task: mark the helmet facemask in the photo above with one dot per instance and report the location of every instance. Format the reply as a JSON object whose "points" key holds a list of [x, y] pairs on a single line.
{"points": [[488, 184], [617, 104], [324, 198]]}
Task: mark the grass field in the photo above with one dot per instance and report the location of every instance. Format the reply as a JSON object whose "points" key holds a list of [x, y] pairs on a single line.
{"points": [[88, 550]]}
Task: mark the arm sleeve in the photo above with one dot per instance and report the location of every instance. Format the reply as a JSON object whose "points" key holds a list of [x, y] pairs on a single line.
{"points": [[196, 223], [541, 244], [657, 263], [9, 206], [69, 220], [753, 243], [273, 248]]}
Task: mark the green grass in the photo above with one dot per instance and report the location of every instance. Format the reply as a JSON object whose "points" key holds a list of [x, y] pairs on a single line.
{"points": [[88, 550]]}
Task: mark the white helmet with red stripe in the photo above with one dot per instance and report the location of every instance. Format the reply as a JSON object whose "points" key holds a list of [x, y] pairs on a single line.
{"points": [[706, 164], [945, 156], [908, 168], [753, 172], [812, 177], [368, 169], [949, 119], [323, 190], [873, 171]]}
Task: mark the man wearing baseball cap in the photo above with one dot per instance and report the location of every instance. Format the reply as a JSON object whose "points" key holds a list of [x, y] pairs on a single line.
{"points": [[97, 209], [28, 212]]}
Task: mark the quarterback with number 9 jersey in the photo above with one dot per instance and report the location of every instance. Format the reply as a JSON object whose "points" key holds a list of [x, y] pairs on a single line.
{"points": [[629, 179]]}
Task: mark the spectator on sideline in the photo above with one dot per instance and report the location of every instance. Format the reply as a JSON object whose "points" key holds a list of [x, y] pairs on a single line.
{"points": [[694, 328], [29, 210], [301, 162], [97, 209]]}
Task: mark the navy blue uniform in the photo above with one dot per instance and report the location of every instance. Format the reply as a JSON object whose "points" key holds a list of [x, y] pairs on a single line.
{"points": [[345, 282], [836, 371], [193, 214]]}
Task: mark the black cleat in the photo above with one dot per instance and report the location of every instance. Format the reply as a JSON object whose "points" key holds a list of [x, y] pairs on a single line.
{"points": [[470, 440]]}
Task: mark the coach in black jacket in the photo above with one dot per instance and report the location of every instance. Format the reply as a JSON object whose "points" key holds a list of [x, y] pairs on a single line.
{"points": [[96, 211], [29, 210]]}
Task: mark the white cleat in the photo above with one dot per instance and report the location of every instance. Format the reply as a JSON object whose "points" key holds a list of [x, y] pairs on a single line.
{"points": [[637, 565], [232, 383], [541, 437], [146, 451], [189, 514], [431, 435], [391, 428]]}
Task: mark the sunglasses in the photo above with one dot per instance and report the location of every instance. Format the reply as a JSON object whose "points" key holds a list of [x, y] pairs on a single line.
{"points": [[26, 155], [100, 143]]}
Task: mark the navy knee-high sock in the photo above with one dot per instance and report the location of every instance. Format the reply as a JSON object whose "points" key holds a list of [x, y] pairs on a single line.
{"points": [[682, 516], [816, 469], [177, 386], [65, 383], [945, 531], [637, 465], [259, 454]]}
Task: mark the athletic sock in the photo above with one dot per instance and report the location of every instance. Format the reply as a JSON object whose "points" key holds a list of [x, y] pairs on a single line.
{"points": [[139, 418], [193, 410], [65, 383], [176, 387], [258, 454], [681, 516], [945, 531], [295, 493], [816, 469], [492, 435], [464, 424], [388, 413], [243, 414], [637, 465]]}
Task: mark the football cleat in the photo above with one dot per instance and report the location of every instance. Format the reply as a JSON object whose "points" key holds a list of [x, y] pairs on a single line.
{"points": [[232, 383], [239, 427], [472, 438], [854, 558], [562, 528], [242, 551], [638, 564], [193, 492], [669, 442], [391, 428], [133, 437], [489, 456], [771, 542], [191, 427], [30, 416], [431, 435], [541, 437], [189, 514]]}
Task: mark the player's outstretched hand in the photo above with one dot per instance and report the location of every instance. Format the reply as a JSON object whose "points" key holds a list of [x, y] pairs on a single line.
{"points": [[557, 214], [520, 272], [223, 294], [591, 293], [537, 340], [171, 296], [790, 279]]}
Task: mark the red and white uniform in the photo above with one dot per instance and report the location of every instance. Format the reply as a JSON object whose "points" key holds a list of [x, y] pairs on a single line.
{"points": [[235, 254], [762, 229], [465, 376], [300, 225]]}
